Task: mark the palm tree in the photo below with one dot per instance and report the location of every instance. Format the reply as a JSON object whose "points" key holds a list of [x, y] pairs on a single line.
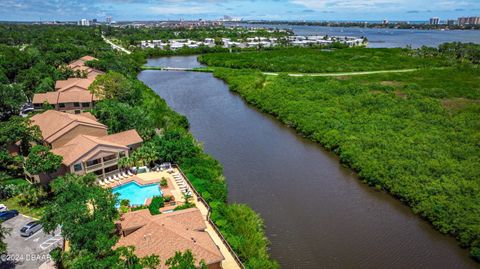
{"points": [[186, 197]]}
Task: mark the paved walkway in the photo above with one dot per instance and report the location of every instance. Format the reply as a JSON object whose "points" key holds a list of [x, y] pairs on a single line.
{"points": [[115, 46], [343, 73], [359, 73]]}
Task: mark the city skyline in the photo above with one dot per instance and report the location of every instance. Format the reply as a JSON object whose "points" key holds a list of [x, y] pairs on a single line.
{"points": [[123, 10]]}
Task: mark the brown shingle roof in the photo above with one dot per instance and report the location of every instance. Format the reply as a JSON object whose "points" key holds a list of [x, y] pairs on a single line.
{"points": [[53, 124], [126, 138], [84, 145], [167, 233], [48, 97], [75, 96], [82, 83], [62, 83], [87, 58]]}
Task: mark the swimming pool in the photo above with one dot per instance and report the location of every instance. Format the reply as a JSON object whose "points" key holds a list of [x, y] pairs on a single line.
{"points": [[136, 193]]}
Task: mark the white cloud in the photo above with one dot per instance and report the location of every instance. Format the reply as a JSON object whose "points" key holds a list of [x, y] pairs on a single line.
{"points": [[166, 10], [347, 4]]}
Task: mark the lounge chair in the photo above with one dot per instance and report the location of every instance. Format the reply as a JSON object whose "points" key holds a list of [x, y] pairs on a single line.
{"points": [[119, 177], [111, 180], [115, 178], [125, 175], [129, 173], [101, 183]]}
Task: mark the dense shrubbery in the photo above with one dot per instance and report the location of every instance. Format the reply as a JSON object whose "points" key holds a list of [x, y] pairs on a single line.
{"points": [[305, 60], [412, 134], [156, 204]]}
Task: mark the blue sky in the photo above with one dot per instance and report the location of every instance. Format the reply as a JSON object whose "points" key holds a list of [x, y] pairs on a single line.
{"points": [[28, 10]]}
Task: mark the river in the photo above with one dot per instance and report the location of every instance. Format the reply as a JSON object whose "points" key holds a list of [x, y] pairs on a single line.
{"points": [[382, 37], [317, 213]]}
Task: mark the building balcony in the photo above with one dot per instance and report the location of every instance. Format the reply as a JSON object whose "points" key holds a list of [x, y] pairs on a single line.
{"points": [[92, 168], [110, 162]]}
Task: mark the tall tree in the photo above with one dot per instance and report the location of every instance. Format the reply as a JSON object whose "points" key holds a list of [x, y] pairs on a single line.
{"points": [[12, 98], [18, 129], [41, 160], [3, 233], [184, 261], [113, 85]]}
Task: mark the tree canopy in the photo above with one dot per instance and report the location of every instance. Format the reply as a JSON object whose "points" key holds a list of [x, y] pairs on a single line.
{"points": [[12, 98], [184, 261], [41, 160]]}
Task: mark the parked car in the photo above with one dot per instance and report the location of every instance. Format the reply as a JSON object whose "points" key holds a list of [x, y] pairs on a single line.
{"points": [[8, 215], [30, 228]]}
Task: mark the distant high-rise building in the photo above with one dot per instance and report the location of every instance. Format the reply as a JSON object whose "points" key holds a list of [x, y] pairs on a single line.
{"points": [[84, 22], [451, 22], [109, 20], [434, 21], [385, 21], [94, 21], [469, 21]]}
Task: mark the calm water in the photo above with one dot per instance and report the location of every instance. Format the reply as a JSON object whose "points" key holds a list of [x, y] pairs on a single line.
{"points": [[317, 213], [386, 38]]}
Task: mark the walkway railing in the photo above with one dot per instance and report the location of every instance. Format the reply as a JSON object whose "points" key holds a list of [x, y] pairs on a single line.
{"points": [[200, 199]]}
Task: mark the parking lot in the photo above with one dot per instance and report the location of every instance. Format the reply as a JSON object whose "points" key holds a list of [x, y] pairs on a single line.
{"points": [[27, 252]]}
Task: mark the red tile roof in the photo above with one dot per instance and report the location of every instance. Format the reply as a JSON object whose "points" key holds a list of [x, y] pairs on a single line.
{"points": [[167, 233]]}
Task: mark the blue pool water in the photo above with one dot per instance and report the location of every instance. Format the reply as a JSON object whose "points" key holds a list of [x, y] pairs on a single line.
{"points": [[135, 193]]}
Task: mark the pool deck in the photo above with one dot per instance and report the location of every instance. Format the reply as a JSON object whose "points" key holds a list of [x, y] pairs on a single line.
{"points": [[174, 190]]}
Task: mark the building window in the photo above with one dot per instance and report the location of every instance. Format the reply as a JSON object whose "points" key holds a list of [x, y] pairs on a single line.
{"points": [[62, 105], [77, 111], [93, 162], [111, 168], [77, 167], [108, 158], [121, 154], [76, 104], [85, 104]]}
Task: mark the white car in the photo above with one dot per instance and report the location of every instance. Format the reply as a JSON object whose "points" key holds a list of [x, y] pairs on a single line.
{"points": [[3, 208]]}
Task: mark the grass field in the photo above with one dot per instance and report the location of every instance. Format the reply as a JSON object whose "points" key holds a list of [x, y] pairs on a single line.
{"points": [[305, 60]]}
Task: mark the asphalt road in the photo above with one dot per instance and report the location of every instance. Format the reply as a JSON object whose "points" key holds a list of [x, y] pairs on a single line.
{"points": [[27, 252]]}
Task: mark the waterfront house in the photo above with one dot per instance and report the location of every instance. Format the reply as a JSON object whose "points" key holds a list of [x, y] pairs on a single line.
{"points": [[167, 233], [83, 143]]}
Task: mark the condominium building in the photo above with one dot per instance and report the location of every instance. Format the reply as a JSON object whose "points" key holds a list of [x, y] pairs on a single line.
{"points": [[434, 21], [84, 22], [71, 95], [469, 20], [83, 143]]}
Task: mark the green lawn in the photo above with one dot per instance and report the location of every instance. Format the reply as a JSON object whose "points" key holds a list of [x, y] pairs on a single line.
{"points": [[306, 60], [35, 212]]}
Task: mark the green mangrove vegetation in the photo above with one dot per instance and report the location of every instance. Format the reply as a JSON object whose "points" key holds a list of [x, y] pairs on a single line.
{"points": [[415, 135], [306, 60]]}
